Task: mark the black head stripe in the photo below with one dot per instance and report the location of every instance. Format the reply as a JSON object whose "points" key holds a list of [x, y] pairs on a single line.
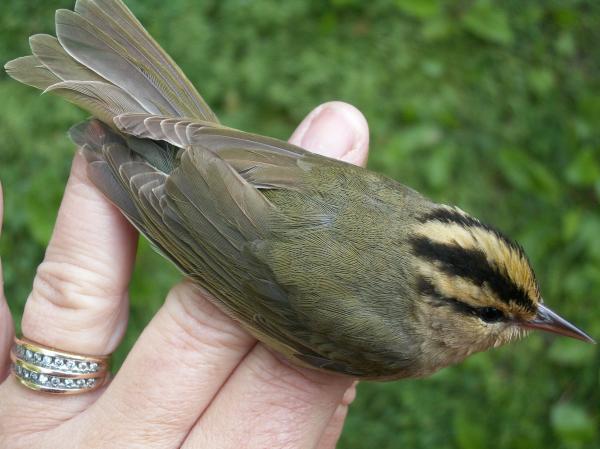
{"points": [[454, 216], [471, 264], [450, 215]]}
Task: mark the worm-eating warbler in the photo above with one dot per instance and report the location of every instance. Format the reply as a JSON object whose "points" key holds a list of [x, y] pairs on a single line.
{"points": [[332, 265]]}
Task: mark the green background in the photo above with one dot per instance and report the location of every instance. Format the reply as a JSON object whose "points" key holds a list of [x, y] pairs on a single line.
{"points": [[493, 106]]}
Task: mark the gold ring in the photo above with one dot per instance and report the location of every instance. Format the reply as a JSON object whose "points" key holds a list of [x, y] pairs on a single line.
{"points": [[50, 370]]}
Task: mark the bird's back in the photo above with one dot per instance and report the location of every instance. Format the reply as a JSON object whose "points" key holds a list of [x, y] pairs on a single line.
{"points": [[339, 250]]}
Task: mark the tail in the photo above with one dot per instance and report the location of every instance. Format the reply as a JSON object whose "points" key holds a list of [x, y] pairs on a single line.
{"points": [[104, 61]]}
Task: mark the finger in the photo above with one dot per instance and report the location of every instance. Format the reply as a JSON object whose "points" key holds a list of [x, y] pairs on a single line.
{"points": [[6, 323], [79, 297], [78, 302], [173, 373], [266, 403], [337, 130], [332, 433]]}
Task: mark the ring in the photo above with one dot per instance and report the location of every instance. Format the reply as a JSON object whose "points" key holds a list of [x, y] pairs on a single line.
{"points": [[50, 370]]}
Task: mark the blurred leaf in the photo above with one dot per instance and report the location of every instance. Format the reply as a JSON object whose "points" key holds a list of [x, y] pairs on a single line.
{"points": [[487, 20], [571, 423], [565, 44], [437, 28], [439, 166], [44, 196], [416, 137], [527, 174], [468, 434], [584, 170], [432, 68], [571, 353], [541, 80], [422, 9], [571, 222]]}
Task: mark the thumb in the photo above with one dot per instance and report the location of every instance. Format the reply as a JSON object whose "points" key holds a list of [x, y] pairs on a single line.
{"points": [[337, 130]]}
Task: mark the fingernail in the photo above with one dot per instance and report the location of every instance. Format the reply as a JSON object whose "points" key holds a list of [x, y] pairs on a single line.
{"points": [[349, 395], [333, 129]]}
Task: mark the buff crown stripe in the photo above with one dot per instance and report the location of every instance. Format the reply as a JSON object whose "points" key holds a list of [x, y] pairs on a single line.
{"points": [[448, 214]]}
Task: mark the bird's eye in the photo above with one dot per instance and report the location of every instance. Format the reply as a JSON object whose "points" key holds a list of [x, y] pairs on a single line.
{"points": [[489, 314]]}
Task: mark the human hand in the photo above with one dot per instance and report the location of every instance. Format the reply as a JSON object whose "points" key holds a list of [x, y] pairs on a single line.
{"points": [[194, 378]]}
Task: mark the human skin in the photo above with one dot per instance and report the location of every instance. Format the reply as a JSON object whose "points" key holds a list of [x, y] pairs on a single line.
{"points": [[194, 378]]}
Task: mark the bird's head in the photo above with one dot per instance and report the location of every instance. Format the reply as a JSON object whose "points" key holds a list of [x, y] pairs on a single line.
{"points": [[476, 288]]}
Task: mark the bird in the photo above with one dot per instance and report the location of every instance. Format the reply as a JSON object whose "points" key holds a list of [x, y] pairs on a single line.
{"points": [[334, 266]]}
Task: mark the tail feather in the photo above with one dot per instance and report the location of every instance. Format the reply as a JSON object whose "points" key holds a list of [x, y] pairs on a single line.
{"points": [[54, 57], [104, 61], [30, 70], [97, 50], [124, 27], [103, 100]]}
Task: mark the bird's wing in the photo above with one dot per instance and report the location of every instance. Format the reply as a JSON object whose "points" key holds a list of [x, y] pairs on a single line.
{"points": [[263, 161], [205, 209]]}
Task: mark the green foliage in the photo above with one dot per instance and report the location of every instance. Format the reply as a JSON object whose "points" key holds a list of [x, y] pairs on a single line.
{"points": [[572, 425], [493, 106]]}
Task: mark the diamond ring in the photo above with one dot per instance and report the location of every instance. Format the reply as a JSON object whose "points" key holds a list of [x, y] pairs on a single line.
{"points": [[50, 370]]}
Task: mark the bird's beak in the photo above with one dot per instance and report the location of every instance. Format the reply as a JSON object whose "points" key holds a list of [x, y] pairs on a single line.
{"points": [[548, 321]]}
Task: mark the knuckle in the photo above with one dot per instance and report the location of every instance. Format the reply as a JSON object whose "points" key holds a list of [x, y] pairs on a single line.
{"points": [[281, 380], [17, 430], [69, 286], [152, 433], [58, 285], [295, 388], [282, 435], [71, 298], [199, 323]]}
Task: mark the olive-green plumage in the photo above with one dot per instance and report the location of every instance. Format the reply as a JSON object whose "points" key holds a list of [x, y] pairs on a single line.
{"points": [[332, 265]]}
